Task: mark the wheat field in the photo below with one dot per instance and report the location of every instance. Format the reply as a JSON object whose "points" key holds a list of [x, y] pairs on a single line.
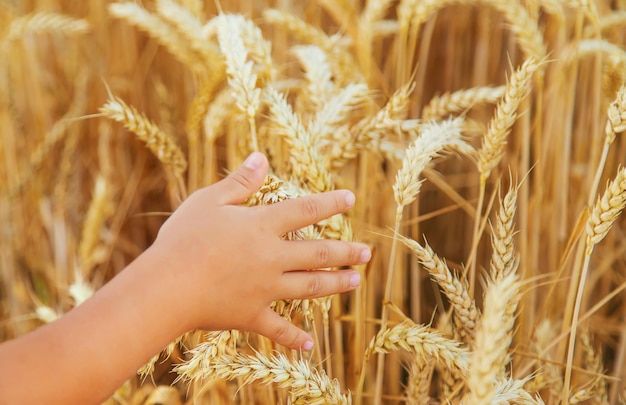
{"points": [[483, 140]]}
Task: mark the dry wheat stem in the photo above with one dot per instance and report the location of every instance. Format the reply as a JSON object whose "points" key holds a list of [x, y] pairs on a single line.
{"points": [[521, 23], [161, 144], [601, 218], [493, 338]]}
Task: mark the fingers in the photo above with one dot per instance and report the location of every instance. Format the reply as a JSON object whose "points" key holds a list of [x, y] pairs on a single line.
{"points": [[282, 331], [240, 184], [293, 214], [318, 254], [315, 284]]}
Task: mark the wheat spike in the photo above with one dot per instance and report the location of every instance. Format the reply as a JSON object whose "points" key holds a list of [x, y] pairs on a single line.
{"points": [[465, 312], [369, 132], [43, 22], [241, 77], [606, 210], [503, 260], [505, 116], [460, 101], [423, 342], [187, 25], [318, 74], [160, 30], [162, 145], [433, 138], [308, 165], [97, 213], [616, 123], [418, 382]]}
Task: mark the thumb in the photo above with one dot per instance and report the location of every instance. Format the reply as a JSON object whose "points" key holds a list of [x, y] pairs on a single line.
{"points": [[240, 184], [283, 332]]}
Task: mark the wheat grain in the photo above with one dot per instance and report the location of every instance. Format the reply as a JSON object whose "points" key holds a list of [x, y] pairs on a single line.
{"points": [[336, 110]]}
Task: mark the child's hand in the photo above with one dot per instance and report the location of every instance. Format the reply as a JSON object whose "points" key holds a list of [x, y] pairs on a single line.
{"points": [[231, 263]]}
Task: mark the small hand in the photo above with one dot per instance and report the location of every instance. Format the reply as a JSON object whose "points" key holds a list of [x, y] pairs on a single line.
{"points": [[233, 263]]}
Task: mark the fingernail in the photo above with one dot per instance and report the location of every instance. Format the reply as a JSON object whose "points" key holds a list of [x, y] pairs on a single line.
{"points": [[254, 161], [355, 280], [308, 345], [350, 199], [366, 255]]}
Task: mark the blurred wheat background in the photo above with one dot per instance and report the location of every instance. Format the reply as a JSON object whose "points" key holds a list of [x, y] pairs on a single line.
{"points": [[482, 138]]}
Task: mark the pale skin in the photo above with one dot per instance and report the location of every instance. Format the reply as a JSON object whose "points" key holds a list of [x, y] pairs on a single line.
{"points": [[214, 265]]}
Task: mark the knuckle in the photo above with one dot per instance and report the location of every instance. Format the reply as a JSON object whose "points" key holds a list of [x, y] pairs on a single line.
{"points": [[241, 180], [310, 209], [322, 256], [283, 335], [314, 286]]}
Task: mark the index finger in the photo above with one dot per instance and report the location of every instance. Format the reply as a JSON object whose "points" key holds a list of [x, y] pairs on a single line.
{"points": [[289, 215]]}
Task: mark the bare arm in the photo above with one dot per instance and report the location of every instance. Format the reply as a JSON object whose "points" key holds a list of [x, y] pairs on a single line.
{"points": [[214, 265]]}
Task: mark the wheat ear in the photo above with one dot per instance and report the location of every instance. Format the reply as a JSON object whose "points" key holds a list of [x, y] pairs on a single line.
{"points": [[240, 72], [465, 312], [99, 210], [160, 30], [161, 144], [308, 165], [493, 338], [307, 385], [423, 342], [460, 101], [43, 22], [503, 260], [505, 116]]}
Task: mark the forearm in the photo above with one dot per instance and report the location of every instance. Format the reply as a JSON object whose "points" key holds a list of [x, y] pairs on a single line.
{"points": [[84, 356]]}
